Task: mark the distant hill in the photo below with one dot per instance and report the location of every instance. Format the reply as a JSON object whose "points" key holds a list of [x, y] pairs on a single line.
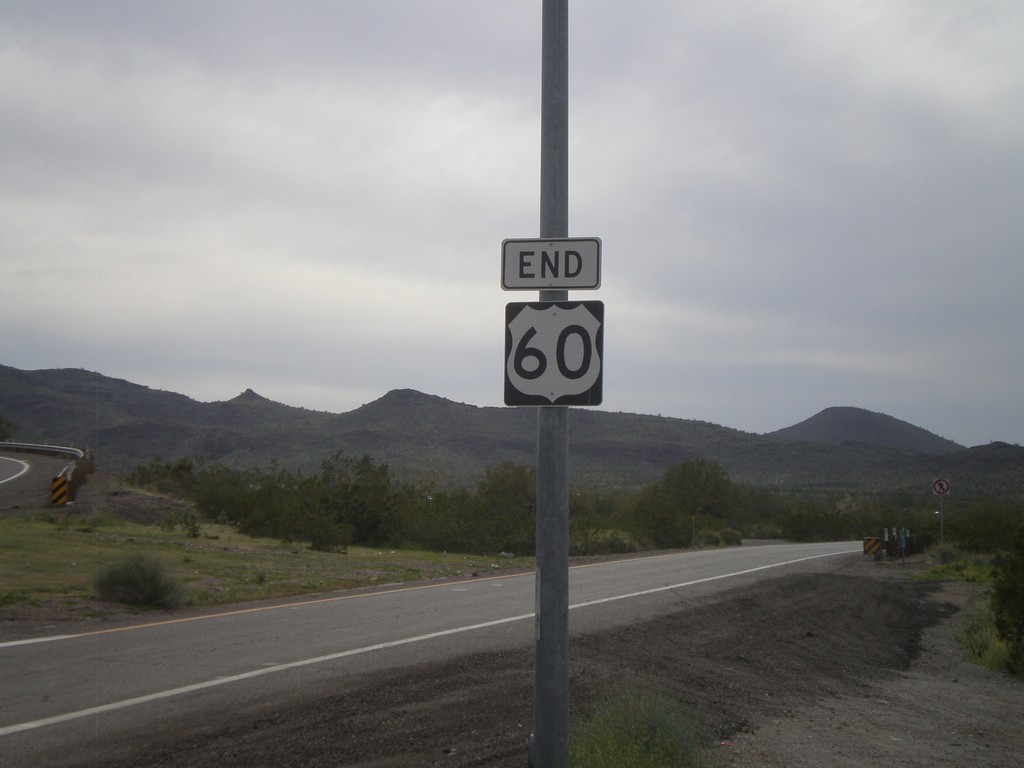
{"points": [[422, 436], [856, 425]]}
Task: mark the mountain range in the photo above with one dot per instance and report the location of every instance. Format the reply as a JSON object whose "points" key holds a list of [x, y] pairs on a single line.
{"points": [[423, 436]]}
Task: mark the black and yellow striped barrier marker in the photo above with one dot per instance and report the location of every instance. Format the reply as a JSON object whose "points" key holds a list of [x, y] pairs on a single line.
{"points": [[59, 491], [872, 545]]}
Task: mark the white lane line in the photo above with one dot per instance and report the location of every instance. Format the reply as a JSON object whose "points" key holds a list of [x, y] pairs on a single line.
{"points": [[158, 695], [706, 579], [124, 704], [34, 640], [389, 590], [24, 469]]}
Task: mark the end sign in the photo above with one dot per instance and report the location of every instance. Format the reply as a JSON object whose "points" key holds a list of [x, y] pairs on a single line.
{"points": [[556, 263]]}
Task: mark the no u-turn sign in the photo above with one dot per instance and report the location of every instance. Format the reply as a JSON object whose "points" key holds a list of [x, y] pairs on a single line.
{"points": [[554, 353]]}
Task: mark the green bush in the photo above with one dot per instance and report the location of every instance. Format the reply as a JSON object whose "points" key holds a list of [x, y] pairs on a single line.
{"points": [[979, 639], [18, 597], [731, 538], [602, 542], [764, 531], [665, 511], [973, 569], [139, 580], [707, 538], [640, 730], [187, 521], [947, 553], [327, 535], [1008, 602]]}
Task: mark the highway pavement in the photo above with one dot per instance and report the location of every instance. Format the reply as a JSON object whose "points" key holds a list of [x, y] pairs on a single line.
{"points": [[25, 479], [60, 692]]}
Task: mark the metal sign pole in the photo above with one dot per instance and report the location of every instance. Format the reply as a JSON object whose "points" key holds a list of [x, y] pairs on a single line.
{"points": [[549, 744], [942, 523]]}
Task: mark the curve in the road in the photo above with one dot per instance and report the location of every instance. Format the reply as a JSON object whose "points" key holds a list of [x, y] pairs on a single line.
{"points": [[19, 473]]}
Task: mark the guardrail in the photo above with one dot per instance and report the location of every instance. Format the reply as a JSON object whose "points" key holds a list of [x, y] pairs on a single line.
{"points": [[49, 450], [65, 485]]}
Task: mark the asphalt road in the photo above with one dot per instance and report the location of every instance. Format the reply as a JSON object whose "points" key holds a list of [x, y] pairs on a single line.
{"points": [[11, 468], [25, 479], [63, 692]]}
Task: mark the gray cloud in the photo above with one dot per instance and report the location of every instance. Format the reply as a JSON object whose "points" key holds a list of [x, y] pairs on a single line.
{"points": [[802, 205]]}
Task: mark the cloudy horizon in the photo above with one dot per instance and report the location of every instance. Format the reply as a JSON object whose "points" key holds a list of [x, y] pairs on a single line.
{"points": [[801, 204]]}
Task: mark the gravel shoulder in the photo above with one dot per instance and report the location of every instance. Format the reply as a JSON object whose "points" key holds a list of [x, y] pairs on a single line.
{"points": [[837, 669], [938, 711]]}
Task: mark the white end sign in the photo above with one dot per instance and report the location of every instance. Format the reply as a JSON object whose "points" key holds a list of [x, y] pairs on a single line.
{"points": [[557, 263]]}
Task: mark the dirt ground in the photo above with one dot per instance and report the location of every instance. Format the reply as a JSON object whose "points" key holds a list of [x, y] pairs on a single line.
{"points": [[844, 669]]}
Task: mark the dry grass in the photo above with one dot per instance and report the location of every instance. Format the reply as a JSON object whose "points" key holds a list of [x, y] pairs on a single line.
{"points": [[48, 554]]}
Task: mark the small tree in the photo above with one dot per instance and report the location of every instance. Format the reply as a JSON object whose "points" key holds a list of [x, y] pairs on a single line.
{"points": [[358, 493], [7, 429], [507, 498], [666, 508]]}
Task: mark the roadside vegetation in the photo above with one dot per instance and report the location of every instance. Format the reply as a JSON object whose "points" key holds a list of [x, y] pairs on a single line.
{"points": [[248, 534], [141, 580], [233, 536], [356, 501], [639, 729], [50, 556], [991, 633]]}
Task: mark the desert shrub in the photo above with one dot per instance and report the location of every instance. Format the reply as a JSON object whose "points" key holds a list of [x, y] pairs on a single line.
{"points": [[18, 597], [326, 534], [641, 730], [665, 511], [979, 639], [985, 525], [764, 531], [707, 538], [187, 521], [972, 569], [507, 501], [1008, 602], [730, 537], [602, 542], [361, 497], [139, 580], [170, 477], [947, 553], [816, 519]]}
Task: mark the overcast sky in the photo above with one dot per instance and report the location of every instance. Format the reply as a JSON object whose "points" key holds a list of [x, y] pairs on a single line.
{"points": [[802, 204]]}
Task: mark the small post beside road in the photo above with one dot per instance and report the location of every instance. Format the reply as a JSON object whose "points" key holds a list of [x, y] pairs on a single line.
{"points": [[941, 489]]}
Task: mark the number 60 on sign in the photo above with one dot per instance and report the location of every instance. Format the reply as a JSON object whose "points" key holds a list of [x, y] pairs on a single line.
{"points": [[553, 353]]}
